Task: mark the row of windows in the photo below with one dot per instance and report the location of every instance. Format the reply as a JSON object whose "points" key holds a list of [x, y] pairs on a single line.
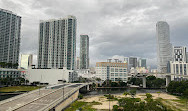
{"points": [[4, 76], [10, 72]]}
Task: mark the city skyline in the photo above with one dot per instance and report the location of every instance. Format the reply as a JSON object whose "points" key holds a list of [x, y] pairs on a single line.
{"points": [[118, 24]]}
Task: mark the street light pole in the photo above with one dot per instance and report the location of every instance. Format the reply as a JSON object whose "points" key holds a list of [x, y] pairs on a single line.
{"points": [[63, 92], [39, 84]]}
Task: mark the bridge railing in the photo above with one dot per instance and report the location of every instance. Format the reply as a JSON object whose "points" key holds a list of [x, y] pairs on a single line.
{"points": [[61, 99], [17, 107], [19, 96]]}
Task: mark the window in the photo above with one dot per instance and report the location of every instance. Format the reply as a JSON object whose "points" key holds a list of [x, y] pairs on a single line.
{"points": [[116, 70], [112, 69]]}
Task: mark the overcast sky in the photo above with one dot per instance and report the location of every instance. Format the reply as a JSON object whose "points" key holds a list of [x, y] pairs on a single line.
{"points": [[116, 28]]}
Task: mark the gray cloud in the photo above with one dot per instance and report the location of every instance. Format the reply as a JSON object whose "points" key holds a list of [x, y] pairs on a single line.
{"points": [[116, 27]]}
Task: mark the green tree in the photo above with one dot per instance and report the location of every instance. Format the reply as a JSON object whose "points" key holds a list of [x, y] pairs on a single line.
{"points": [[185, 94], [132, 93], [126, 93]]}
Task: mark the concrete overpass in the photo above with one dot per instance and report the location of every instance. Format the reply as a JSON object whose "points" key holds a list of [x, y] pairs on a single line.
{"points": [[167, 76], [54, 98]]}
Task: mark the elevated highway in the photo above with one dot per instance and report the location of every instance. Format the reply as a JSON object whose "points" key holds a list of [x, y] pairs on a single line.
{"points": [[167, 76], [44, 99]]}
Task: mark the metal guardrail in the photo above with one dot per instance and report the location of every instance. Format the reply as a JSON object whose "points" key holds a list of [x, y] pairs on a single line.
{"points": [[47, 107], [62, 98], [23, 95], [38, 98], [18, 96]]}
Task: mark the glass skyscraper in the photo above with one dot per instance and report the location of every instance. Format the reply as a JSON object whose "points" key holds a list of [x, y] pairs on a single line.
{"points": [[164, 47], [57, 43], [84, 52], [10, 25]]}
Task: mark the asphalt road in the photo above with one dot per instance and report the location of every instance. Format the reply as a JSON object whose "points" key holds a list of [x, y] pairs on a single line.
{"points": [[36, 101]]}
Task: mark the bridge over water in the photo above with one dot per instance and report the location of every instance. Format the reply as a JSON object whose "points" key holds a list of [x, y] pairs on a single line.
{"points": [[53, 98]]}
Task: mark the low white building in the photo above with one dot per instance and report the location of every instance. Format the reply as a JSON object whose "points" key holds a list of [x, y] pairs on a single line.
{"points": [[51, 76], [153, 70], [138, 70], [179, 68], [114, 71], [85, 73]]}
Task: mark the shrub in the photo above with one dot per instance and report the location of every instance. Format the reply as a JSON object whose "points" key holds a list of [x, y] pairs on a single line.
{"points": [[80, 96]]}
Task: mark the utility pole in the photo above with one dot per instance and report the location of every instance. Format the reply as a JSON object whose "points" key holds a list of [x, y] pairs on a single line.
{"points": [[39, 84]]}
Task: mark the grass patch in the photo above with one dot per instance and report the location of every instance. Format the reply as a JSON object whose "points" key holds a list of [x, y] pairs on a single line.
{"points": [[142, 95], [84, 106], [168, 104], [182, 102], [18, 88]]}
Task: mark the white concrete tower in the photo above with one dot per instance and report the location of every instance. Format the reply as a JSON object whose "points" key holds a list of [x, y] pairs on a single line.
{"points": [[164, 47]]}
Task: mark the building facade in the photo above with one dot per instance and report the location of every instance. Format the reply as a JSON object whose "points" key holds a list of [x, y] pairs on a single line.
{"points": [[78, 63], [11, 73], [26, 61], [179, 54], [51, 76], [132, 62], [126, 60], [142, 63], [180, 68], [84, 51], [187, 56], [111, 71], [57, 43], [10, 26], [164, 47], [179, 63]]}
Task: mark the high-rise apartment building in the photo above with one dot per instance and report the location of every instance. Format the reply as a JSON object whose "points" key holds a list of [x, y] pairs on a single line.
{"points": [[126, 60], [78, 63], [57, 43], [142, 63], [164, 47], [132, 62], [26, 61], [179, 54], [179, 68], [114, 71], [10, 26], [187, 56], [179, 64], [84, 52]]}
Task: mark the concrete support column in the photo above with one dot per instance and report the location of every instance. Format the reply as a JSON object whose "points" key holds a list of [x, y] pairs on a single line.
{"points": [[87, 87], [168, 79], [144, 82]]}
